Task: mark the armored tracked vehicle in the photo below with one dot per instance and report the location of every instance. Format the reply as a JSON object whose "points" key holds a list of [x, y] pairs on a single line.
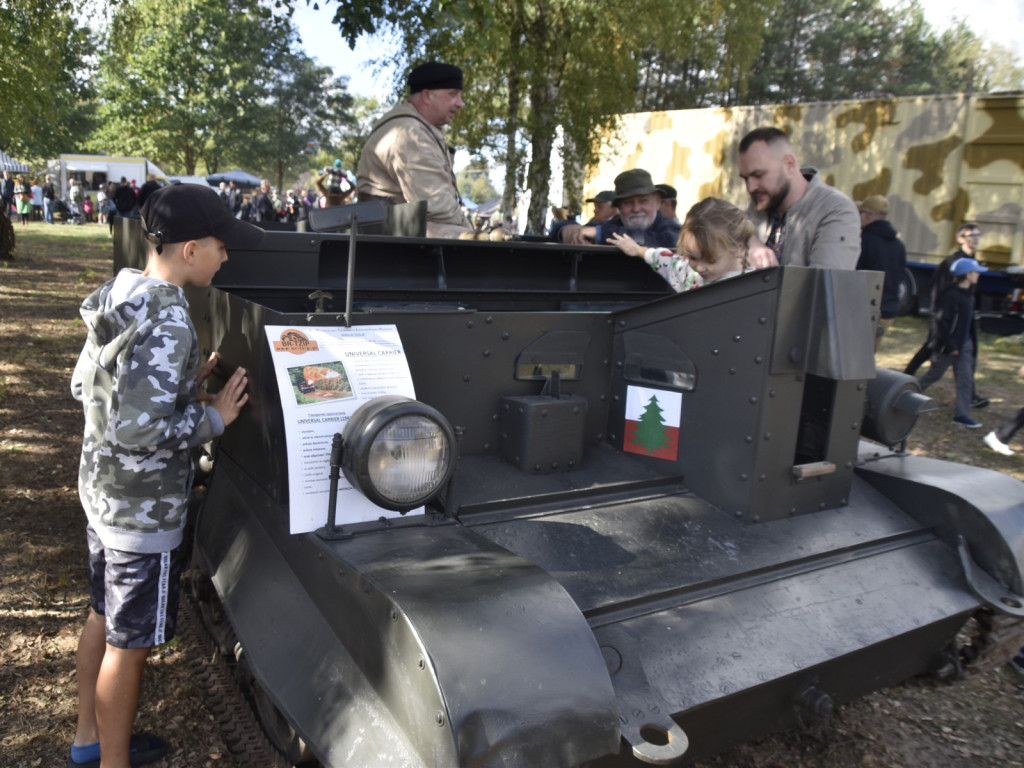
{"points": [[611, 525]]}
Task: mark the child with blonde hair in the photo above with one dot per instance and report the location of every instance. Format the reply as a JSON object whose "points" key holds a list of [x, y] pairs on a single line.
{"points": [[712, 246]]}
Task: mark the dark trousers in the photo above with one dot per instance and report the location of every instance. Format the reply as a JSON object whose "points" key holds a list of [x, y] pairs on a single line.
{"points": [[1008, 428], [924, 354]]}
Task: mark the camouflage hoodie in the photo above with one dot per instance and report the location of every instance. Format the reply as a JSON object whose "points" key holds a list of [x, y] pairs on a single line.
{"points": [[136, 379]]}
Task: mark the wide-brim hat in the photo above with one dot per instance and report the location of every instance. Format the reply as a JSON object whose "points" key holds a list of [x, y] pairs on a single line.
{"points": [[633, 183]]}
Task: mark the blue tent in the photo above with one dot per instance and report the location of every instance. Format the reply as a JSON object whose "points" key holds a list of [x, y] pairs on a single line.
{"points": [[7, 164], [240, 177]]}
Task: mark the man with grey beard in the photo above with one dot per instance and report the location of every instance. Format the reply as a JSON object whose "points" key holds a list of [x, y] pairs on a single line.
{"points": [[638, 202]]}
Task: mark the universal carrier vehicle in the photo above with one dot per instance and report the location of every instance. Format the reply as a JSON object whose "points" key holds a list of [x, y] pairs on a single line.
{"points": [[643, 527]]}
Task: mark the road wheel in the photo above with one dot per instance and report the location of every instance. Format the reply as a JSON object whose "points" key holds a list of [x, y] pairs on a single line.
{"points": [[279, 731]]}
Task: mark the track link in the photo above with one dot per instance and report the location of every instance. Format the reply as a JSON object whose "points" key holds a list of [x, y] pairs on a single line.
{"points": [[242, 733]]}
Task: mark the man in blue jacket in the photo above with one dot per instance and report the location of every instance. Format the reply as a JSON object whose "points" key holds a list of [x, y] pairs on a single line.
{"points": [[638, 201]]}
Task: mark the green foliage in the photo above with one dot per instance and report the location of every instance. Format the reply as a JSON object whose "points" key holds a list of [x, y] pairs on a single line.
{"points": [[847, 49], [213, 84], [181, 80], [44, 79], [704, 56], [474, 184]]}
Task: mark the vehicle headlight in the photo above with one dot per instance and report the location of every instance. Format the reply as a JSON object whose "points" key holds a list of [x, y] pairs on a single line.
{"points": [[399, 452]]}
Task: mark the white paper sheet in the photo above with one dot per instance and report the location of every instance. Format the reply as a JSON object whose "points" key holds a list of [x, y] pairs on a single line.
{"points": [[323, 375]]}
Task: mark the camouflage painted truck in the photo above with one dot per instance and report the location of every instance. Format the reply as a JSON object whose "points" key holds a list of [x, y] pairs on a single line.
{"points": [[610, 525], [940, 160]]}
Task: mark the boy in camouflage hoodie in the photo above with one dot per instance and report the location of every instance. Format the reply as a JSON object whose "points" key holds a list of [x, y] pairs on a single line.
{"points": [[137, 379]]}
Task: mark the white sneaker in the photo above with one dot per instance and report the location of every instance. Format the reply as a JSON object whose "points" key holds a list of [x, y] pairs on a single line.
{"points": [[998, 445]]}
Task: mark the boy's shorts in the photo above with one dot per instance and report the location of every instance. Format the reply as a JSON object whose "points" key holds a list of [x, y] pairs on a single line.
{"points": [[137, 594]]}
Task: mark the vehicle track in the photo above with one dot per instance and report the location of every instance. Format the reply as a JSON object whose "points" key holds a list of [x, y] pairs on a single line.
{"points": [[242, 733]]}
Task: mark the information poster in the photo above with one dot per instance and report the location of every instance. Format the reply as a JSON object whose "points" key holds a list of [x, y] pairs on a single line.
{"points": [[324, 374]]}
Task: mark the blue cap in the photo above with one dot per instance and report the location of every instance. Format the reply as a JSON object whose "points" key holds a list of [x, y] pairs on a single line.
{"points": [[962, 266]]}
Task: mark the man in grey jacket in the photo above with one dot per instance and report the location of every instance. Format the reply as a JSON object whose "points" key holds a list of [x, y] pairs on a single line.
{"points": [[406, 159], [804, 221]]}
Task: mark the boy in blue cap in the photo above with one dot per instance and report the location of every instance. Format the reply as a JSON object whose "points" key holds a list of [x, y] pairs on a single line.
{"points": [[955, 340], [137, 379]]}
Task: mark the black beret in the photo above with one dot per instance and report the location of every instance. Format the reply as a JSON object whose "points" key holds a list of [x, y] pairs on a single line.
{"points": [[435, 76]]}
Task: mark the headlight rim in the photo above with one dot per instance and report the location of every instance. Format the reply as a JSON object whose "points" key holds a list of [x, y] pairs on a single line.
{"points": [[367, 423]]}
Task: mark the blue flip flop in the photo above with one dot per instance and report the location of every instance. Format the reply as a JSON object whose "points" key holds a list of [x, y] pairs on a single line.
{"points": [[145, 749]]}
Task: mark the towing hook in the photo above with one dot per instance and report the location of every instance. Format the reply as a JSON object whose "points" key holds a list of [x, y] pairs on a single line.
{"points": [[813, 707]]}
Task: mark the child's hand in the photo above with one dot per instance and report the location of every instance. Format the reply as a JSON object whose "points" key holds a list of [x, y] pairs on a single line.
{"points": [[203, 375], [232, 397], [627, 244]]}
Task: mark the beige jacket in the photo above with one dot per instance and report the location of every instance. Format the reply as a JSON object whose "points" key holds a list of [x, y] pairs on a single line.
{"points": [[406, 159]]}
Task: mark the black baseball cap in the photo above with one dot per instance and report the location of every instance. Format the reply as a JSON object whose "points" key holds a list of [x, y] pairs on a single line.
{"points": [[607, 196], [182, 212], [667, 191]]}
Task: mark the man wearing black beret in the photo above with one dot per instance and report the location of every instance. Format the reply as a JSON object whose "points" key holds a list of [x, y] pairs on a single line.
{"points": [[406, 159]]}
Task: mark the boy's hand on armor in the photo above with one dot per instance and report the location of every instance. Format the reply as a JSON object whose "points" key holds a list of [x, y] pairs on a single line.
{"points": [[203, 375], [232, 397]]}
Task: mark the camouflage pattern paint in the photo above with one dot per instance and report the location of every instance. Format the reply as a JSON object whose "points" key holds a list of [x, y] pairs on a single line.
{"points": [[941, 160]]}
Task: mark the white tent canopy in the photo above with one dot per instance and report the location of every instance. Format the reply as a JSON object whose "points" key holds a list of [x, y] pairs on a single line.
{"points": [[7, 164]]}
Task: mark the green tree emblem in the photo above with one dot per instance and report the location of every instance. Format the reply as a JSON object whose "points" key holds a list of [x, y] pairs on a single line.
{"points": [[651, 434]]}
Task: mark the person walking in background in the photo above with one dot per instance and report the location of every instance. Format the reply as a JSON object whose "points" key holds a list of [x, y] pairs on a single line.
{"points": [[999, 438], [23, 200], [956, 338], [7, 193], [125, 202], [75, 194], [968, 236], [263, 210], [37, 202], [101, 205], [881, 250], [49, 195]]}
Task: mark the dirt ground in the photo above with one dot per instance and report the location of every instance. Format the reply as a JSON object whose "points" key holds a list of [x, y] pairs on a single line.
{"points": [[977, 722]]}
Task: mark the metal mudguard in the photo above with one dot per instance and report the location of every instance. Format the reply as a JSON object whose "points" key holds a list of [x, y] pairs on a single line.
{"points": [[427, 645]]}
